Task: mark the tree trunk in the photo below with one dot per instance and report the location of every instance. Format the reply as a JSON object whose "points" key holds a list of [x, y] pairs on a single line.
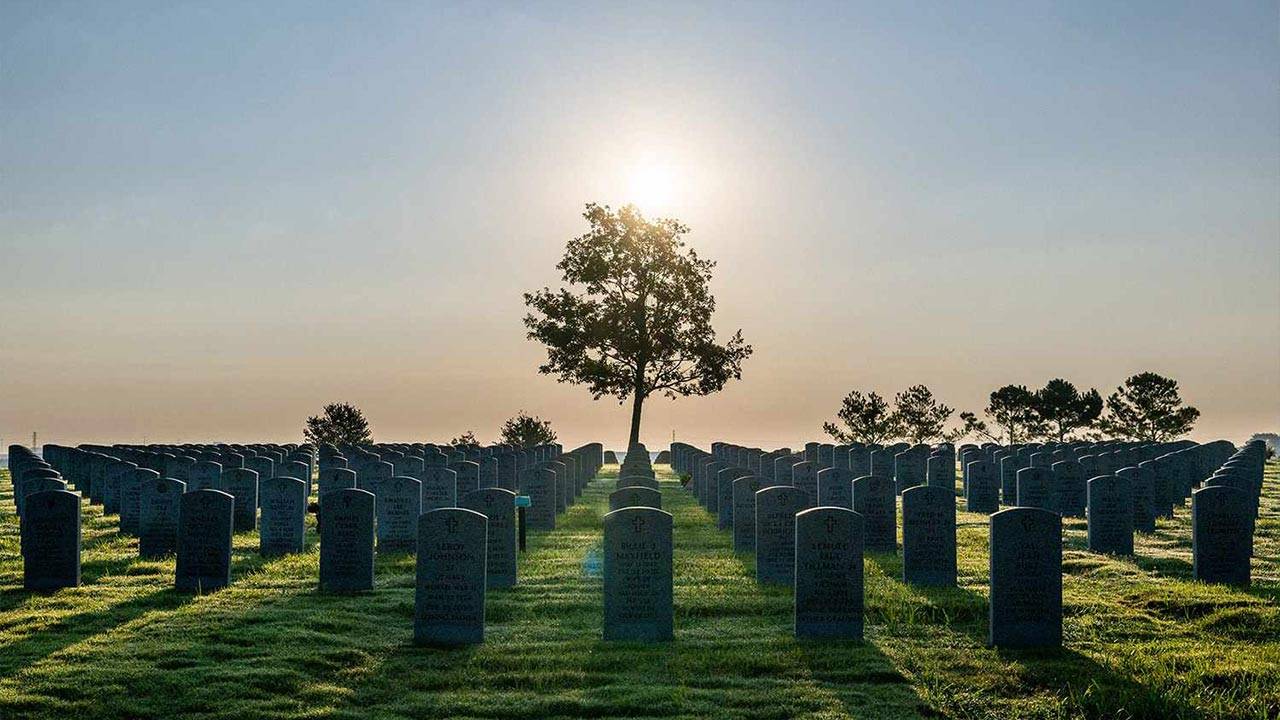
{"points": [[637, 404]]}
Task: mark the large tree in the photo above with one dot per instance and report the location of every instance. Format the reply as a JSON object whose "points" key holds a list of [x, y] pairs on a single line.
{"points": [[920, 417], [636, 319], [1147, 407], [1062, 409], [866, 417], [339, 424], [527, 431]]}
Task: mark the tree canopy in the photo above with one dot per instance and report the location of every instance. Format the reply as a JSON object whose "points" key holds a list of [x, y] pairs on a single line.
{"points": [[338, 424], [921, 418], [866, 419], [1063, 409], [636, 317], [1012, 409], [527, 431], [1148, 407]]}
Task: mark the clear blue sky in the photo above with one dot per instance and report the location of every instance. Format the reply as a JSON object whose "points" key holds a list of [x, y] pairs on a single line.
{"points": [[214, 217]]}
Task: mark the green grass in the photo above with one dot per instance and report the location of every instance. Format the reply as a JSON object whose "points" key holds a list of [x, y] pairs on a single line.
{"points": [[1142, 639]]}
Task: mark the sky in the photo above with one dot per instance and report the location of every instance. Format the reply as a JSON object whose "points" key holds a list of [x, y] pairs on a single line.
{"points": [[217, 217]]}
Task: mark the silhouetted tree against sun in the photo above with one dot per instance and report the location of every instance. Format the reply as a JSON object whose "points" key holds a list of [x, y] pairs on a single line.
{"points": [[636, 319]]}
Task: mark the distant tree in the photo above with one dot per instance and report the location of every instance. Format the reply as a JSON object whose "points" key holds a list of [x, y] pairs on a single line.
{"points": [[1062, 409], [527, 431], [1147, 407], [466, 439], [920, 417], [866, 419], [639, 319], [1012, 409], [339, 424]]}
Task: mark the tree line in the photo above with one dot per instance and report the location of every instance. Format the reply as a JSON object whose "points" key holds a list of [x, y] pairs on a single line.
{"points": [[1147, 407], [342, 423]]}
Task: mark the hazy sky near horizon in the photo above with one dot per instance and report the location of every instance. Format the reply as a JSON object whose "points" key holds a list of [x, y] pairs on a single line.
{"points": [[216, 217]]}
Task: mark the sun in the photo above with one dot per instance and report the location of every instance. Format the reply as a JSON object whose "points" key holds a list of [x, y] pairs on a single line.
{"points": [[652, 187]]}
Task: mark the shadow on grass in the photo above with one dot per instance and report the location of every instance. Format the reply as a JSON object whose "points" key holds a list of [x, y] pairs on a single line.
{"points": [[72, 629], [863, 678], [955, 608], [1094, 689], [1164, 566]]}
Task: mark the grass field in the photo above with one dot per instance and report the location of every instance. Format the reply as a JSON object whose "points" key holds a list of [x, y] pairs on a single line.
{"points": [[1142, 639]]}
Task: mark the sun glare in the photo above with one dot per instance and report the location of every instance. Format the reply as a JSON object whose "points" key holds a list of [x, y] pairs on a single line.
{"points": [[652, 188]]}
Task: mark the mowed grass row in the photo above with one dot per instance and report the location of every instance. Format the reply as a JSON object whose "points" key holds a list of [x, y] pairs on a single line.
{"points": [[1142, 639]]}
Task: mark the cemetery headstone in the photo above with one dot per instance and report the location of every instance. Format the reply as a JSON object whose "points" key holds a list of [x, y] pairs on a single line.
{"points": [[776, 509], [744, 513], [638, 600], [982, 494], [1110, 515], [873, 499], [828, 574], [204, 541], [929, 536], [448, 607], [1221, 535], [499, 507], [835, 488], [159, 509], [634, 497], [1025, 608], [397, 506], [346, 541], [540, 486], [51, 540], [242, 484]]}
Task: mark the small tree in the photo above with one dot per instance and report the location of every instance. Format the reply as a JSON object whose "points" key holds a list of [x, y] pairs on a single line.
{"points": [[466, 439], [1148, 408], [527, 431], [866, 419], [920, 417], [339, 424], [1063, 409], [640, 321]]}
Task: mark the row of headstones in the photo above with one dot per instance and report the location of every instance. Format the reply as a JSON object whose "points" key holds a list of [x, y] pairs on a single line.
{"points": [[766, 520], [1175, 468], [96, 470], [126, 489], [910, 466], [198, 525], [638, 572], [552, 479], [1052, 477]]}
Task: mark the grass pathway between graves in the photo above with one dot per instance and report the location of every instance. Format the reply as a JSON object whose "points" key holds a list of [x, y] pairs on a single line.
{"points": [[1142, 639]]}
